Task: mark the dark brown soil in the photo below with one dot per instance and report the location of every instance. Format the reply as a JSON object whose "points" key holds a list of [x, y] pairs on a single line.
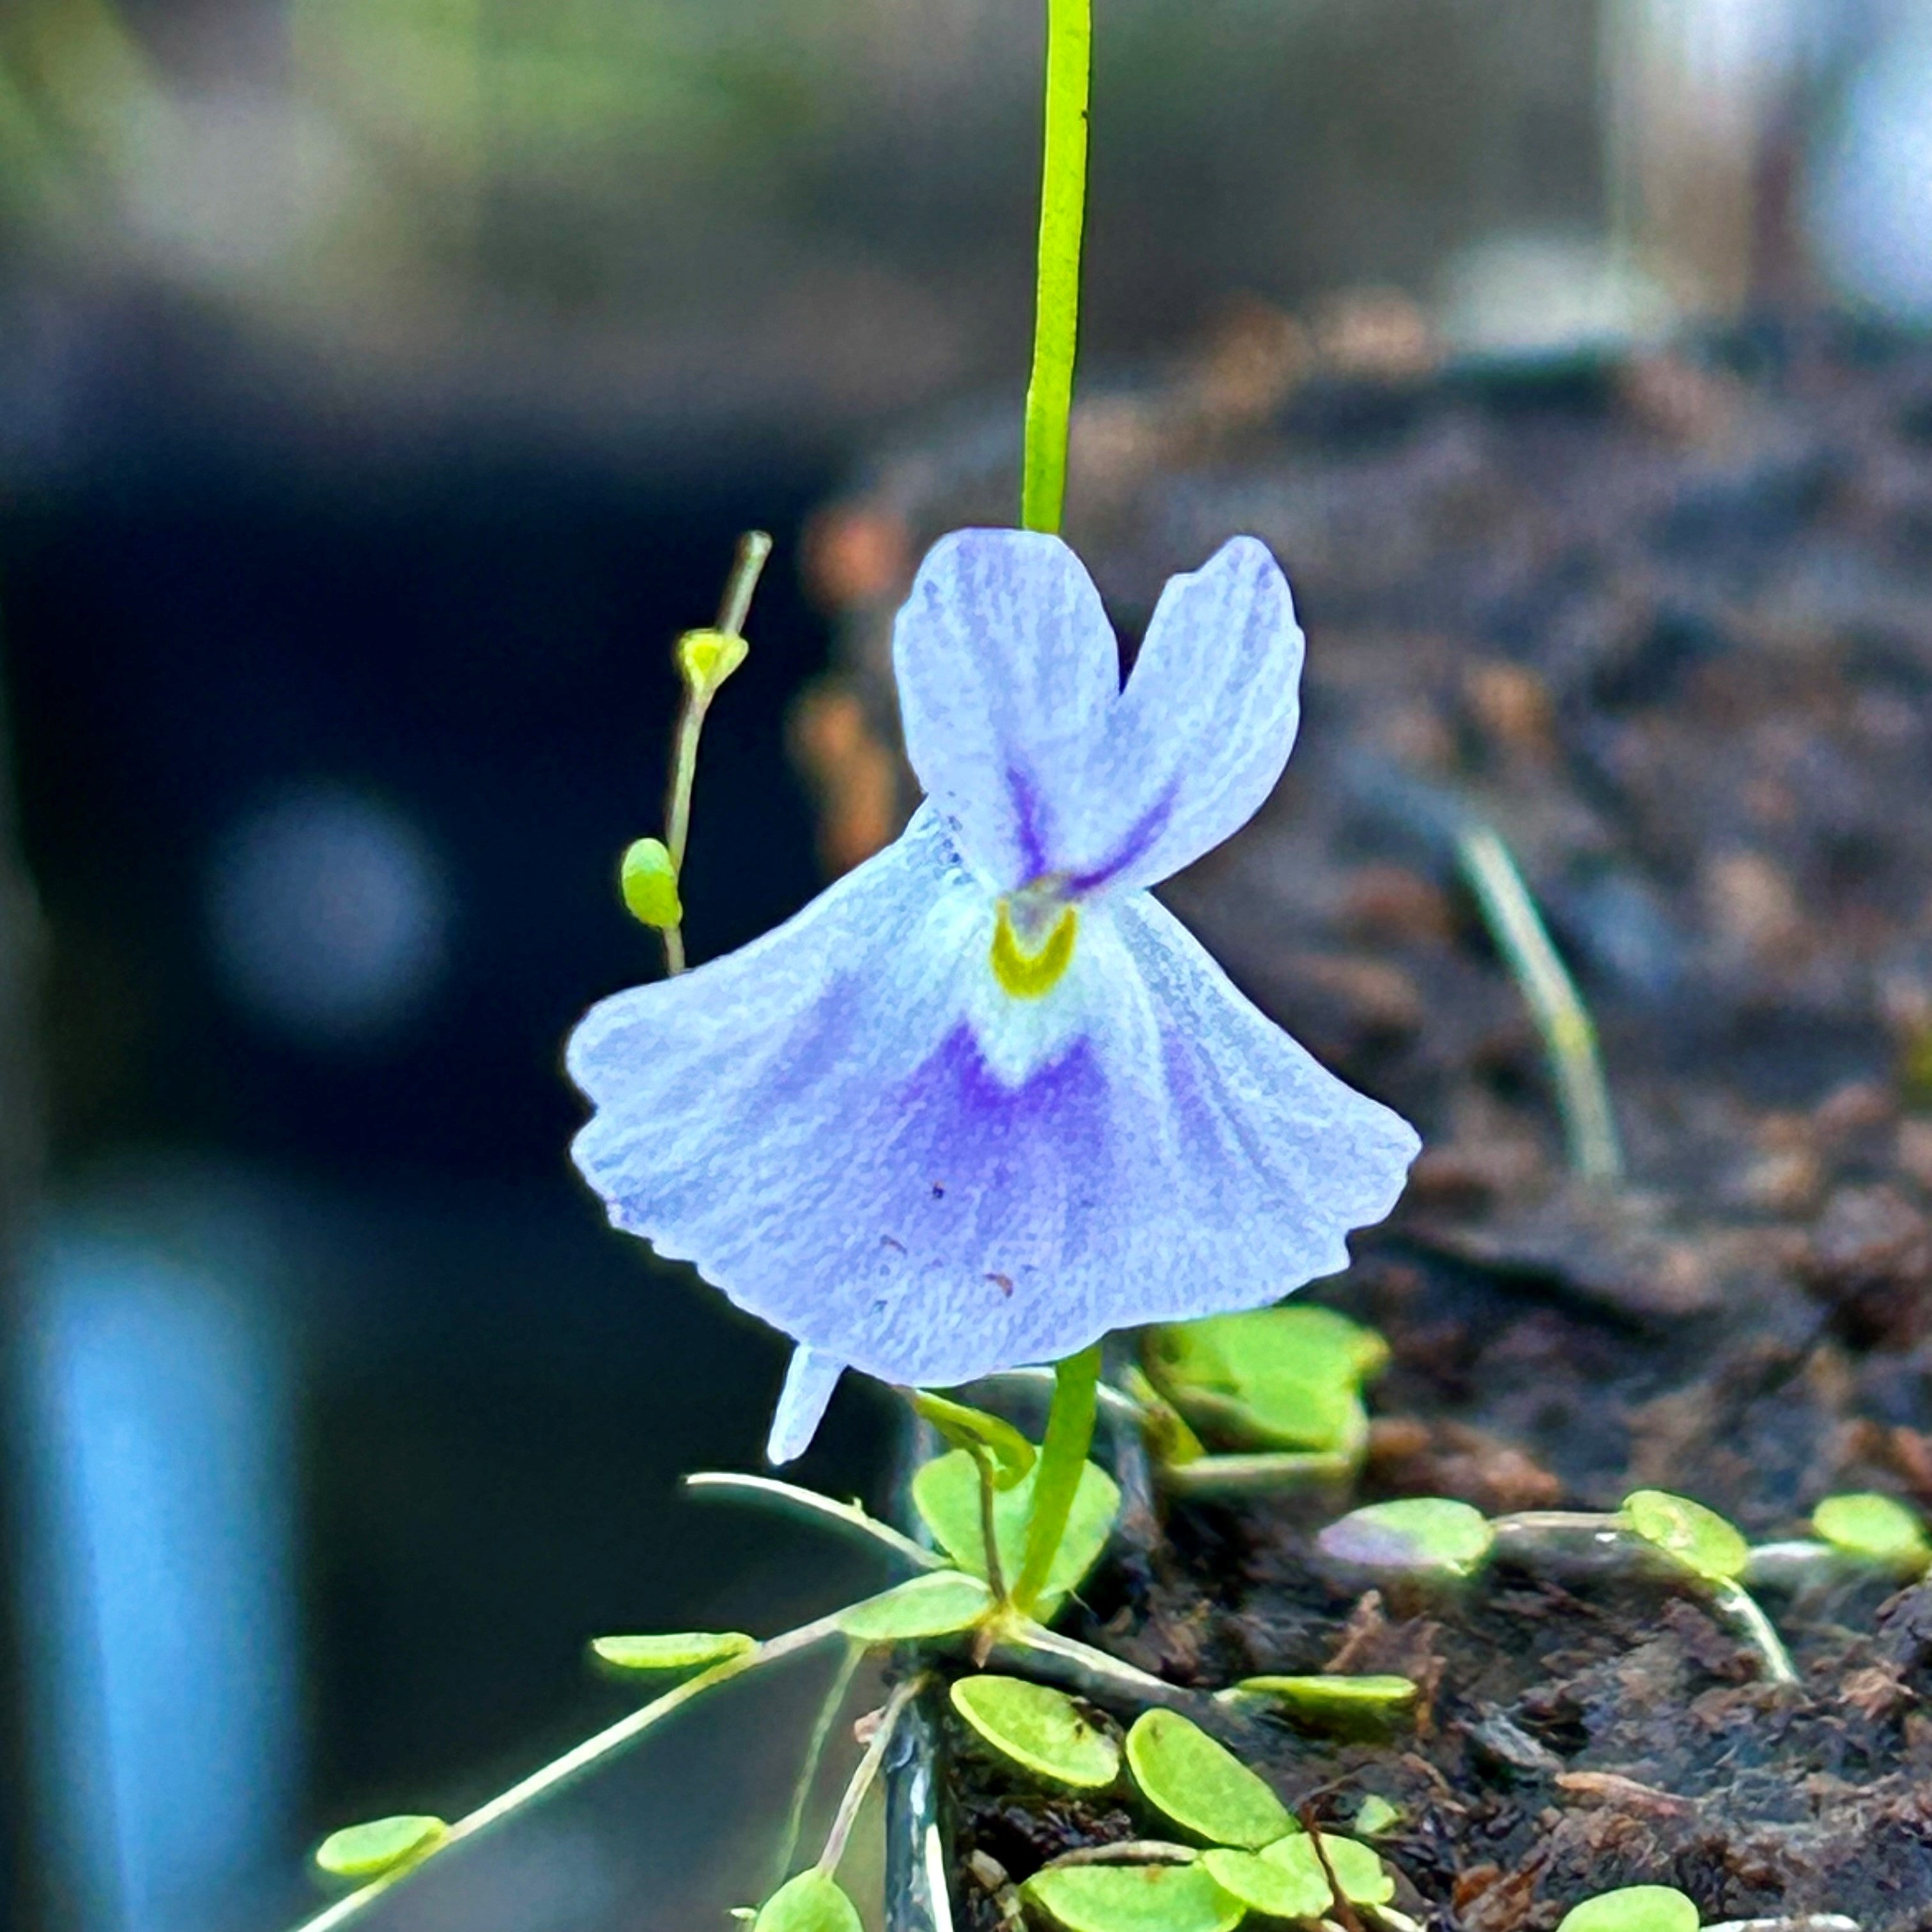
{"points": [[1666, 623]]}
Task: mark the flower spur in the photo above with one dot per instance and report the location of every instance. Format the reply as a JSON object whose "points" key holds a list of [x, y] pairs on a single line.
{"points": [[985, 1098]]}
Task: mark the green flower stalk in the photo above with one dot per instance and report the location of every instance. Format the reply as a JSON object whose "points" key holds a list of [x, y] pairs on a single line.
{"points": [[1062, 217]]}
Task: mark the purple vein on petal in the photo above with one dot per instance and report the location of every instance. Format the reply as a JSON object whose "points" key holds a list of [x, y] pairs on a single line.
{"points": [[1027, 826], [1141, 838]]}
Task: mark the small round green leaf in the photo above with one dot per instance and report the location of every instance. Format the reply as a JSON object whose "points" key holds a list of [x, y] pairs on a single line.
{"points": [[675, 1650], [1264, 1886], [1374, 1816], [963, 1427], [809, 1902], [1362, 1876], [648, 881], [1697, 1538], [945, 1492], [1039, 1727], [364, 1852], [1328, 1697], [935, 1605], [1201, 1784], [1632, 1908], [1134, 1898], [1874, 1529], [1424, 1533]]}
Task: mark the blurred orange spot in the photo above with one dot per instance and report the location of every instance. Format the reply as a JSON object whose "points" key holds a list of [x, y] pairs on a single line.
{"points": [[855, 554], [854, 776]]}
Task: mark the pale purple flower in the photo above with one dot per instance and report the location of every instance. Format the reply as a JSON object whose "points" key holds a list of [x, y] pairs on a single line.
{"points": [[985, 1098]]}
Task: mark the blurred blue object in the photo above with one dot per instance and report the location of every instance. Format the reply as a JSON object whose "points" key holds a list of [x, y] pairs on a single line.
{"points": [[159, 1467], [1871, 197]]}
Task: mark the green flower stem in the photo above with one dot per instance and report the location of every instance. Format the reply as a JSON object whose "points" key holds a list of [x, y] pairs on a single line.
{"points": [[1062, 213], [810, 1501], [1569, 1033], [1069, 1435], [592, 1750], [835, 1840], [748, 565], [754, 547]]}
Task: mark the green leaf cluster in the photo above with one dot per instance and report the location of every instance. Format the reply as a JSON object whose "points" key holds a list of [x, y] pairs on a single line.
{"points": [[1256, 1858], [1286, 1377]]}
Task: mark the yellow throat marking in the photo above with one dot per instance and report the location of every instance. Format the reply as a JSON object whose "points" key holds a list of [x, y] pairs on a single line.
{"points": [[1027, 975]]}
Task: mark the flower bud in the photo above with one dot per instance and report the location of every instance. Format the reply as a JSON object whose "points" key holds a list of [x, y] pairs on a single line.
{"points": [[707, 658], [649, 884]]}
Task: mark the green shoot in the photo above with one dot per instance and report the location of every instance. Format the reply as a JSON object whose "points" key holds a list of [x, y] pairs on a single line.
{"points": [[1569, 1033], [1715, 1552], [1062, 213], [1697, 1542]]}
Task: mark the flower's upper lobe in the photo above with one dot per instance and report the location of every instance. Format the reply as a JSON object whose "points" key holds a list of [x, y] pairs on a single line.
{"points": [[986, 1099]]}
